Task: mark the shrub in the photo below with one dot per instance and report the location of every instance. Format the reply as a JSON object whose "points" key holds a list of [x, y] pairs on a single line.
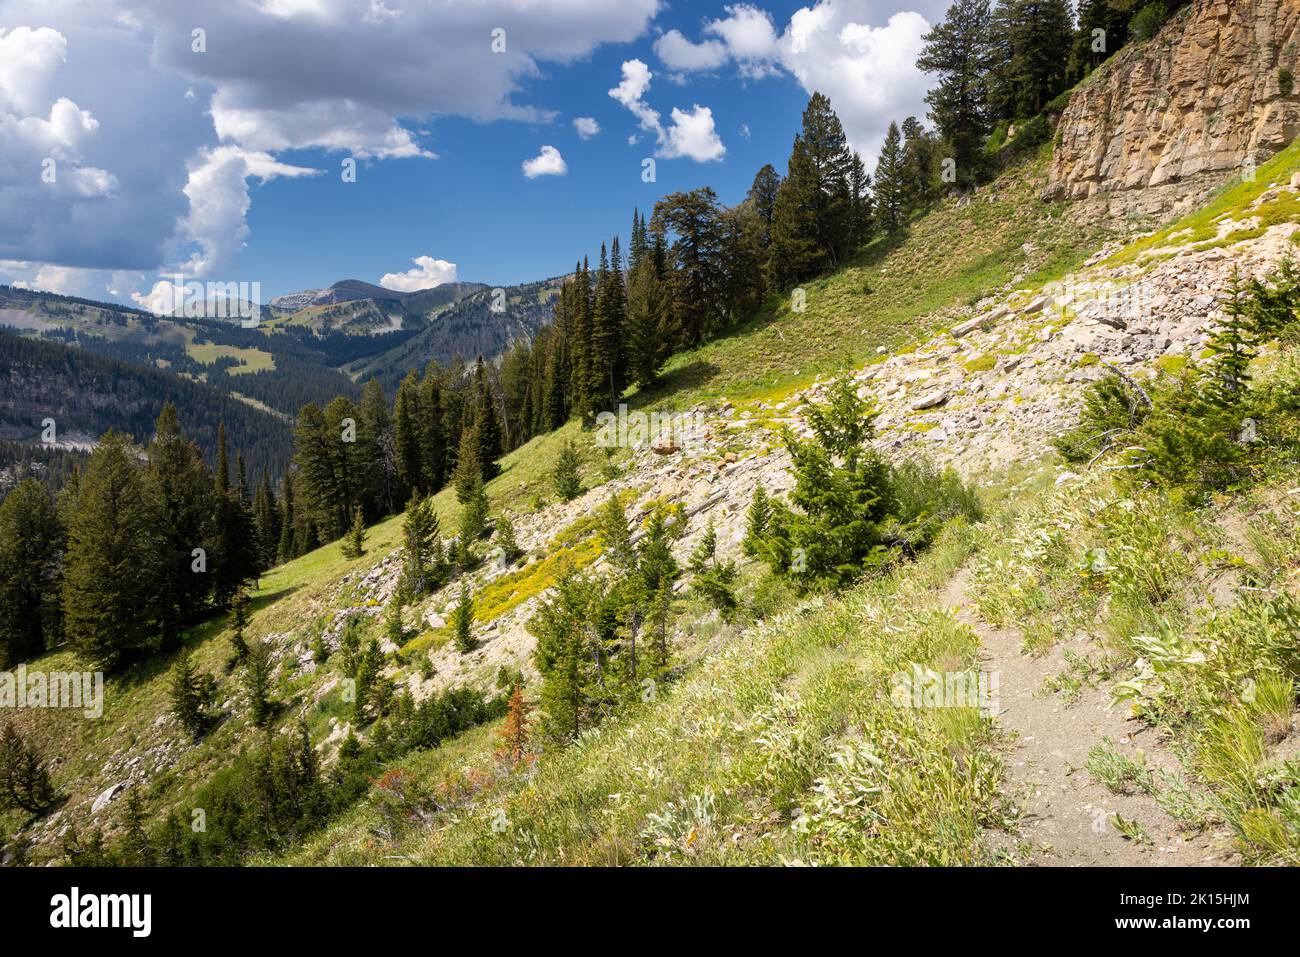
{"points": [[1147, 22]]}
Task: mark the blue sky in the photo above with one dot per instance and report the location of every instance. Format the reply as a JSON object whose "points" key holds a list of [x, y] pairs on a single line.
{"points": [[224, 162]]}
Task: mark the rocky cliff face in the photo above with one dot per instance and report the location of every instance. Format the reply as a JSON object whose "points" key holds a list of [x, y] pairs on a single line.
{"points": [[1159, 126]]}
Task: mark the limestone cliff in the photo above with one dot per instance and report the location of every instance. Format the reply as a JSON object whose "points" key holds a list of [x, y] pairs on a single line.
{"points": [[1163, 123]]}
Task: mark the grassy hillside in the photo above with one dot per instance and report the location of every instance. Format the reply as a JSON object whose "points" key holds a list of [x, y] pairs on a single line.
{"points": [[894, 292], [779, 742]]}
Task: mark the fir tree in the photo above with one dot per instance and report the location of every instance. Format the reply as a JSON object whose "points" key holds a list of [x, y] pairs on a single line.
{"points": [[257, 683], [568, 484], [514, 731], [266, 521], [179, 490], [891, 183], [462, 621], [192, 696], [137, 849], [31, 568], [757, 520], [112, 563], [354, 543], [958, 51], [487, 426], [423, 564], [24, 777]]}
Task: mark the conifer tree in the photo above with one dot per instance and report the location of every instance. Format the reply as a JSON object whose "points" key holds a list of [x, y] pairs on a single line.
{"points": [[474, 513], [757, 520], [239, 616], [406, 438], [112, 569], [266, 521], [137, 849], [31, 569], [377, 451], [568, 483], [487, 426], [432, 433], [286, 549], [24, 777], [505, 539], [192, 696], [762, 196], [891, 183], [257, 683], [179, 490], [1031, 64], [813, 216], [695, 277], [958, 51], [514, 731], [462, 621], [354, 543], [423, 564]]}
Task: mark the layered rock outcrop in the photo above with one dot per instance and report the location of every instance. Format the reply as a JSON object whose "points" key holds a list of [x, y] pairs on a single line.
{"points": [[1163, 123]]}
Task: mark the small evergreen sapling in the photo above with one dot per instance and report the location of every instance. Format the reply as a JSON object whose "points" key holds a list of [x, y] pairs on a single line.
{"points": [[354, 543], [568, 484], [462, 620]]}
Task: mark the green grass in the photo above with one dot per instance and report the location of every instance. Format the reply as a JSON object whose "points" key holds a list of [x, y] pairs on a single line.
{"points": [[894, 291], [781, 745], [250, 360], [1200, 228]]}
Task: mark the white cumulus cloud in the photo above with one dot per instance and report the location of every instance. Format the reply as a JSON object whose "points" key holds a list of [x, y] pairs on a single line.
{"points": [[548, 162], [586, 126], [691, 134], [428, 272], [837, 47]]}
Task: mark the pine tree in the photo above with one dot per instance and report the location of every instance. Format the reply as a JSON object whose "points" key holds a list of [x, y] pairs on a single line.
{"points": [[354, 543], [432, 432], [813, 217], [469, 473], [695, 277], [514, 730], [24, 777], [714, 580], [286, 548], [648, 322], [377, 451], [487, 426], [958, 50], [891, 184], [31, 568], [266, 521], [505, 539], [239, 616], [762, 196], [406, 438], [568, 483], [616, 539], [1092, 48], [192, 696], [137, 849], [1030, 66], [257, 683], [462, 621], [758, 518], [919, 168], [423, 564], [179, 489], [232, 560], [112, 562], [474, 513], [561, 658]]}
